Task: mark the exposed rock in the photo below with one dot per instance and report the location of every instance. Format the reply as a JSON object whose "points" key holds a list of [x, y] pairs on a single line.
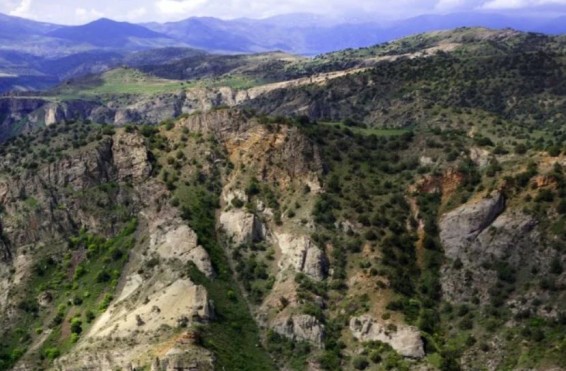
{"points": [[44, 299], [178, 241], [180, 299], [131, 157], [405, 340], [477, 237], [241, 226], [426, 161], [228, 196], [301, 327], [479, 156], [303, 255], [469, 220]]}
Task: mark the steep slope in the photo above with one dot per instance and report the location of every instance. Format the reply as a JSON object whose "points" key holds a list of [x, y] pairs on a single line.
{"points": [[348, 247], [117, 282]]}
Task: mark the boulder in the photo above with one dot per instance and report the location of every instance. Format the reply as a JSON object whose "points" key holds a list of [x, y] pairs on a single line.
{"points": [[405, 340]]}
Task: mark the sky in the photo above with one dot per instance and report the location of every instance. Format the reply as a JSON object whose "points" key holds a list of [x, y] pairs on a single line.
{"points": [[82, 11]]}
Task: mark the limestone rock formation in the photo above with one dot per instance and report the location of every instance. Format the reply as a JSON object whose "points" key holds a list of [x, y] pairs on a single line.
{"points": [[405, 340], [241, 226], [469, 220], [481, 236], [303, 255], [301, 327], [178, 241], [130, 157]]}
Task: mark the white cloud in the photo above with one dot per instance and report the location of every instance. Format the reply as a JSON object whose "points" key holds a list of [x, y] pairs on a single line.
{"points": [[173, 7], [136, 14], [519, 4], [23, 9], [80, 11], [449, 4], [505, 4], [86, 15]]}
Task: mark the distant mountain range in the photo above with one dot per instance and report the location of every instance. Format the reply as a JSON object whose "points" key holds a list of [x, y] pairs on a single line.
{"points": [[36, 55]]}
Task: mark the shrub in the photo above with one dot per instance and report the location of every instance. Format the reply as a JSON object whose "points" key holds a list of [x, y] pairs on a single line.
{"points": [[76, 325], [545, 195], [554, 151], [375, 357], [237, 203], [520, 149], [103, 276], [253, 188], [90, 316], [51, 353], [360, 363]]}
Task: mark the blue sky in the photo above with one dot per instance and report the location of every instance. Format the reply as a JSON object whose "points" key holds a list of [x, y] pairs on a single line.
{"points": [[81, 11]]}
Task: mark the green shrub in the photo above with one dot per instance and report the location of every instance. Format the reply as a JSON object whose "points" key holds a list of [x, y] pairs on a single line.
{"points": [[51, 353], [360, 363]]}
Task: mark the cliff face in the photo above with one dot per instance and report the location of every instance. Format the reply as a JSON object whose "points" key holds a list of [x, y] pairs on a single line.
{"points": [[21, 114], [97, 189]]}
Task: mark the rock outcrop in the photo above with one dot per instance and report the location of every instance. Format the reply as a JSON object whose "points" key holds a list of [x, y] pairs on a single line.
{"points": [[177, 241], [301, 254], [131, 157], [300, 327], [480, 236], [468, 221], [405, 340], [241, 226], [181, 301]]}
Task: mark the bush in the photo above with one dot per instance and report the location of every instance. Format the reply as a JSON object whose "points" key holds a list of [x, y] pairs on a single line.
{"points": [[253, 188], [360, 363], [375, 357], [554, 151], [545, 195], [90, 316], [51, 353], [237, 203], [76, 326], [520, 149], [103, 276]]}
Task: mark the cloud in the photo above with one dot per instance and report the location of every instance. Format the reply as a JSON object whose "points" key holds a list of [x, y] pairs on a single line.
{"points": [[136, 14], [519, 4], [449, 4], [22, 10], [85, 15], [80, 11], [172, 7]]}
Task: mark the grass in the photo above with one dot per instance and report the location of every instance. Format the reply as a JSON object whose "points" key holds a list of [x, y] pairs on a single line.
{"points": [[118, 82], [380, 132], [78, 290], [127, 81]]}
